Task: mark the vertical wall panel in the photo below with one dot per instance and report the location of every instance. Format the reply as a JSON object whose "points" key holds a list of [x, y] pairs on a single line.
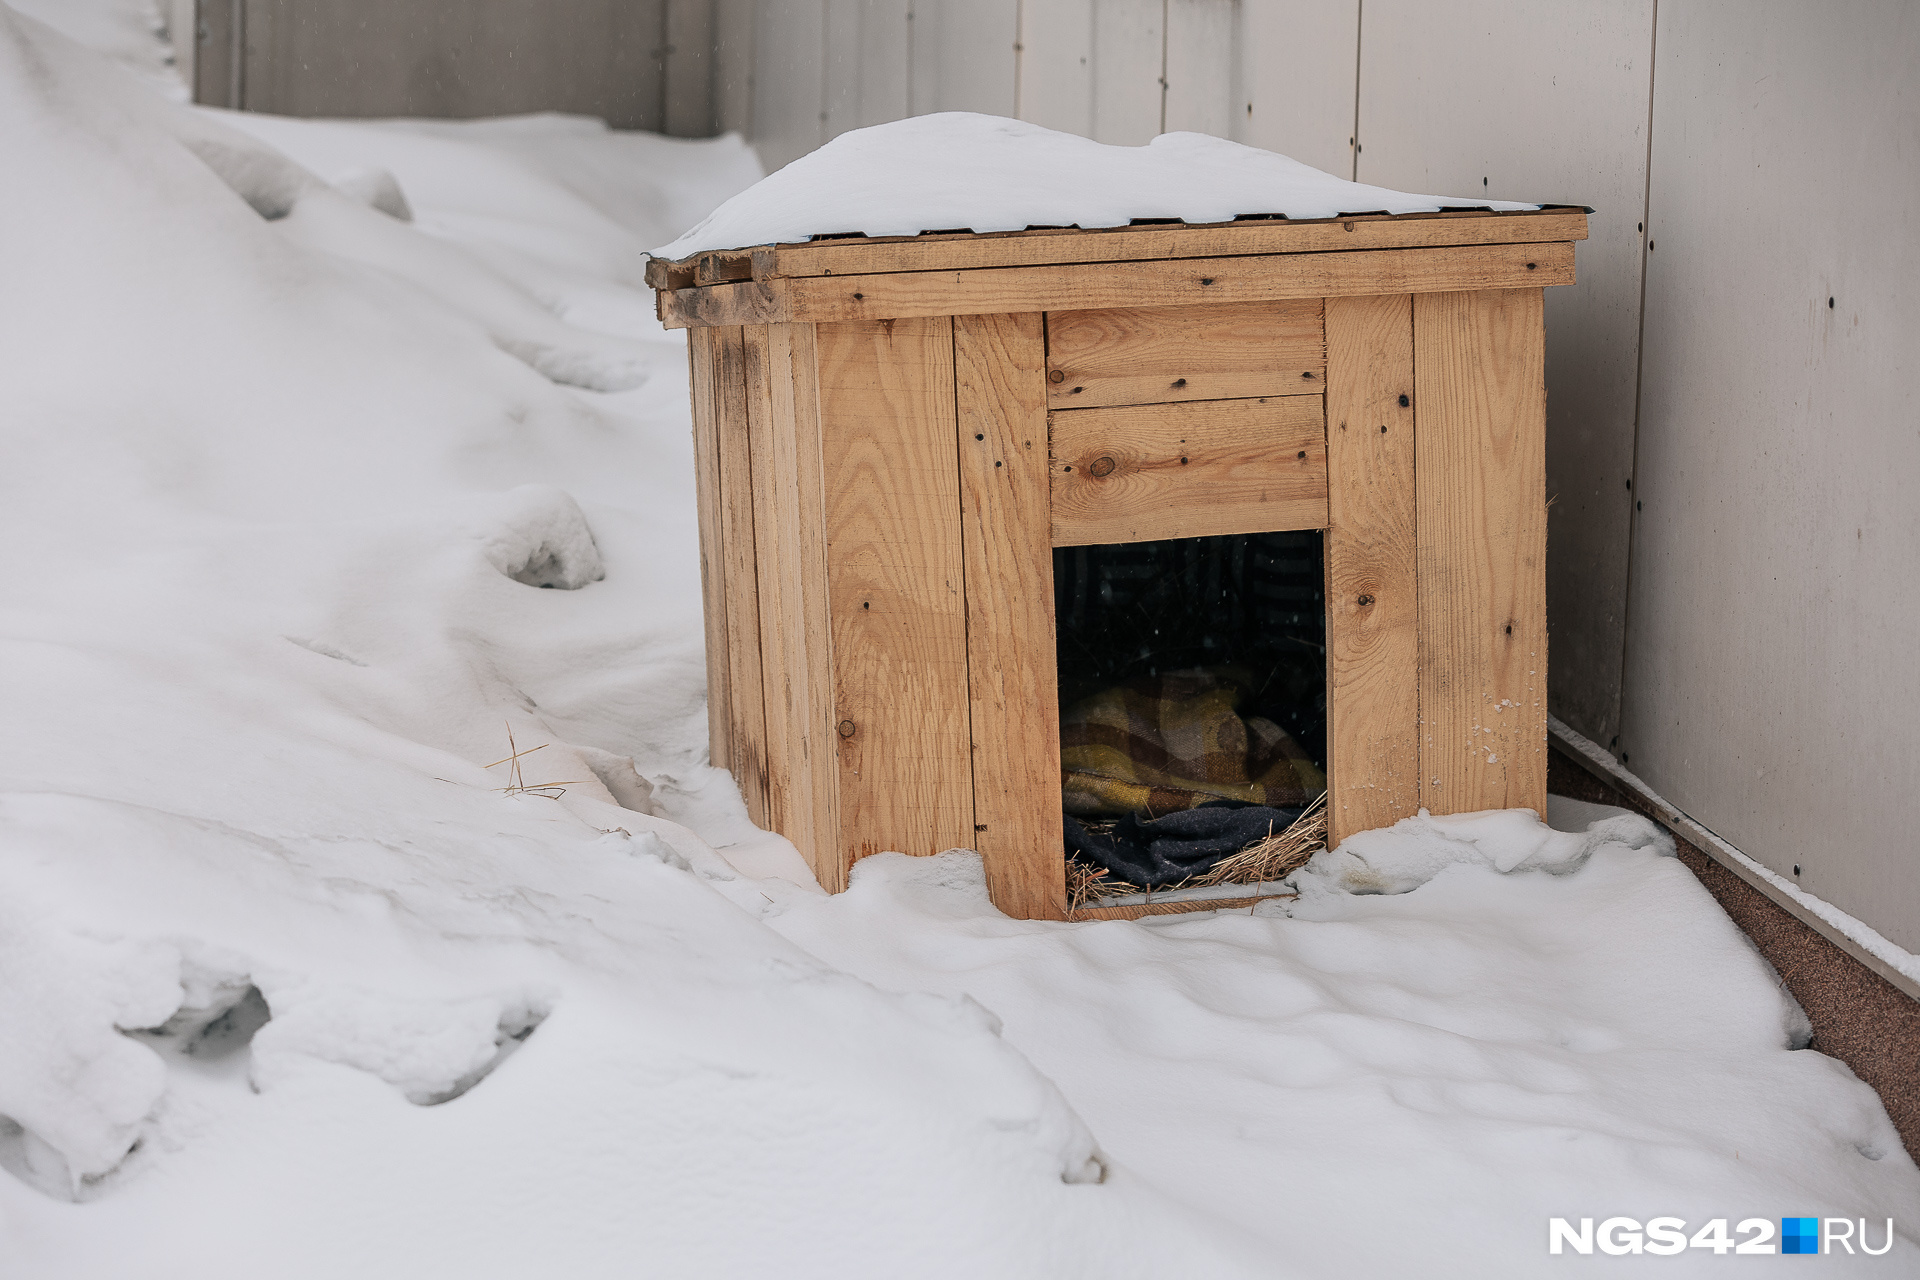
{"points": [[1294, 80], [425, 58], [965, 57], [789, 69], [886, 30], [868, 63], [841, 68], [687, 107], [1770, 680], [1056, 65], [733, 28], [1129, 59], [1199, 71], [1516, 99]]}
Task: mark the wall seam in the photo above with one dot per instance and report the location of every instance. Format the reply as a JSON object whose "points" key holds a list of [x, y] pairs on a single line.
{"points": [[1639, 377], [1166, 14], [1359, 23]]}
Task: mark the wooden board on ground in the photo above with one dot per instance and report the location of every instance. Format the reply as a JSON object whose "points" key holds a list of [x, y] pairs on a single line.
{"points": [[1215, 351], [895, 578], [1133, 911], [1000, 384], [1480, 441], [1146, 472], [1373, 640]]}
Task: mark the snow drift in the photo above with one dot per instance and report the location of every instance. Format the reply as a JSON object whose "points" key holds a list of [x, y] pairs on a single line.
{"points": [[300, 975]]}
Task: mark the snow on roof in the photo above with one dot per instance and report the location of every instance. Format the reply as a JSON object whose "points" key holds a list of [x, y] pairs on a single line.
{"points": [[961, 171]]}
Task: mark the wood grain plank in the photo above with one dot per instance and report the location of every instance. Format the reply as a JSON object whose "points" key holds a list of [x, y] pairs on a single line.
{"points": [[1140, 244], [814, 635], [1480, 473], [789, 524], [1135, 910], [1373, 639], [1215, 351], [746, 708], [1177, 282], [1145, 472], [896, 585], [709, 507], [1000, 389], [769, 600]]}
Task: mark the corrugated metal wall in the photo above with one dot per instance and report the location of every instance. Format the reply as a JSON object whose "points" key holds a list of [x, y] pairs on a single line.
{"points": [[1744, 640]]}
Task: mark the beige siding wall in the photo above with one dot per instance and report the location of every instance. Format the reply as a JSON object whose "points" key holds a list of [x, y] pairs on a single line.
{"points": [[1772, 687]]}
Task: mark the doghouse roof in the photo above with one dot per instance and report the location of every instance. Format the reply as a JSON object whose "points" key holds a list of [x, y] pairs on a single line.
{"points": [[958, 192], [958, 171]]}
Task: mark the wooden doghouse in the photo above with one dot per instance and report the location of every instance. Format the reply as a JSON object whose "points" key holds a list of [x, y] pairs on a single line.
{"points": [[892, 436]]}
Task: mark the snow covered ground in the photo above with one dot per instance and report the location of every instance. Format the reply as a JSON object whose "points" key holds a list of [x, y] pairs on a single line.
{"points": [[291, 985]]}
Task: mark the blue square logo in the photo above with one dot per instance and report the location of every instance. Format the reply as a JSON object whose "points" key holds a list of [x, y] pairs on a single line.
{"points": [[1799, 1235]]}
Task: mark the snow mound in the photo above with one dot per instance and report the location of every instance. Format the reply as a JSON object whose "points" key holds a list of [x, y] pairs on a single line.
{"points": [[539, 537], [960, 171], [1414, 850]]}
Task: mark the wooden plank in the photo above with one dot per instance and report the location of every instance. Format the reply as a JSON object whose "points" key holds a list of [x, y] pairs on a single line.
{"points": [[746, 709], [1000, 389], [1146, 472], [858, 256], [701, 359], [895, 579], [1480, 472], [1215, 351], [1133, 911], [789, 523], [821, 299], [1373, 637]]}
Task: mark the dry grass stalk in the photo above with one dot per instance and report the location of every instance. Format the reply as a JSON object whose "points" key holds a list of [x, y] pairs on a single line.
{"points": [[1089, 886], [1279, 855], [517, 785], [1275, 857]]}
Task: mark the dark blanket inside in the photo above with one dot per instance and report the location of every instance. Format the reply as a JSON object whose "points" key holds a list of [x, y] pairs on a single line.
{"points": [[1155, 852]]}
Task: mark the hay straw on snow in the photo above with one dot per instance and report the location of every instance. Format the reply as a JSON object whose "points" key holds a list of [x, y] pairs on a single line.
{"points": [[1274, 857]]}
